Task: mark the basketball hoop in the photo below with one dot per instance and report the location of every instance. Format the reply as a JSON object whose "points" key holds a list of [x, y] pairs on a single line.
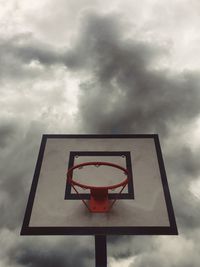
{"points": [[99, 201]]}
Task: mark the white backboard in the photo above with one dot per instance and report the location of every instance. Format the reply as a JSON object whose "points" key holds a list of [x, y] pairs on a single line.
{"points": [[144, 207]]}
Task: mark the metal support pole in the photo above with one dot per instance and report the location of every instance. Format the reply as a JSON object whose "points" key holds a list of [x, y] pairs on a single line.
{"points": [[100, 251]]}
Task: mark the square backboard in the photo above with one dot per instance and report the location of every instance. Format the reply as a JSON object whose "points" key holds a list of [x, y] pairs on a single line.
{"points": [[143, 208]]}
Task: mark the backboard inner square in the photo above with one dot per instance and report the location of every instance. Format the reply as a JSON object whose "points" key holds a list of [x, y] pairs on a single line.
{"points": [[102, 175]]}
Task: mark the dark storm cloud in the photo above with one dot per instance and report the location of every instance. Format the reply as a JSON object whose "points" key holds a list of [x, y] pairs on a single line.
{"points": [[63, 254], [182, 165], [127, 246], [17, 52], [186, 163], [26, 48], [125, 92], [189, 161], [100, 47], [187, 208], [17, 159], [7, 131]]}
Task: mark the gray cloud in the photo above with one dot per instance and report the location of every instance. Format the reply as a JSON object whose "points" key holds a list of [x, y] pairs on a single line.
{"points": [[169, 252], [45, 251], [17, 159], [125, 93], [127, 246], [7, 131], [182, 165], [189, 163], [64, 254], [18, 52]]}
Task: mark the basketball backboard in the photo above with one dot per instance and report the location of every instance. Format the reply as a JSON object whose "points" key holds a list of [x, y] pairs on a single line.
{"points": [[144, 206]]}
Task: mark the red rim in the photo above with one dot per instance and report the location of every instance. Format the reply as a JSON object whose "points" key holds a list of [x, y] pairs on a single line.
{"points": [[98, 163]]}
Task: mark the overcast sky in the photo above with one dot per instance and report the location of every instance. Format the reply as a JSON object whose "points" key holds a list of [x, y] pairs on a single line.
{"points": [[89, 66]]}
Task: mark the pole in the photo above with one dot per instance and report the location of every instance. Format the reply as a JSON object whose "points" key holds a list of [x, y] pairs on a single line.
{"points": [[100, 251]]}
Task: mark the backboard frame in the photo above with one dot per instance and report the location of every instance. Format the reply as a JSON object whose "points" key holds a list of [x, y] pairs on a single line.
{"points": [[147, 230]]}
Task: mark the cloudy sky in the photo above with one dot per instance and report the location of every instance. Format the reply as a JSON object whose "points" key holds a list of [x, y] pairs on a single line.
{"points": [[91, 66]]}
